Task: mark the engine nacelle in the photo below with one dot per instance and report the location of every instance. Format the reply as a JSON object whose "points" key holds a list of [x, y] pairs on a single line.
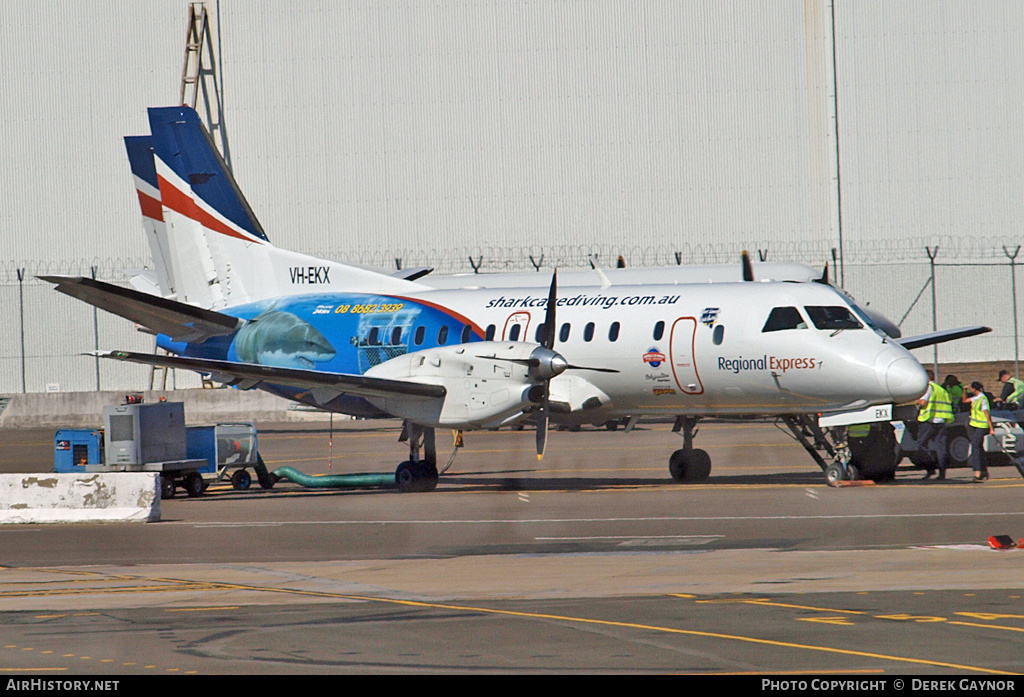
{"points": [[487, 382]]}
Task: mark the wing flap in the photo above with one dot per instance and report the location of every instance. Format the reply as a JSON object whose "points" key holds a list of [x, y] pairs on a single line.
{"points": [[180, 321], [249, 375]]}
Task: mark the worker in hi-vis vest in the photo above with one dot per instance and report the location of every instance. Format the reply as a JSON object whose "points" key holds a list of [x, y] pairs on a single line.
{"points": [[936, 413], [978, 427]]}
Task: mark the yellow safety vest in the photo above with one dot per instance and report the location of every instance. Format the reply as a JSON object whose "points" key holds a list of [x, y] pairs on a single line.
{"points": [[938, 406], [858, 430], [978, 419]]}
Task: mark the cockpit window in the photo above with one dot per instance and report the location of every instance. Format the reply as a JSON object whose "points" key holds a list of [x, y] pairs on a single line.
{"points": [[784, 318], [832, 317]]}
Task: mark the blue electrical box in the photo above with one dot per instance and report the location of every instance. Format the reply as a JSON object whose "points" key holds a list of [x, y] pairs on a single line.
{"points": [[74, 448]]}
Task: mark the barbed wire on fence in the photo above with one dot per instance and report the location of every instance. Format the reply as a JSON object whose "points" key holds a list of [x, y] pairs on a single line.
{"points": [[497, 259]]}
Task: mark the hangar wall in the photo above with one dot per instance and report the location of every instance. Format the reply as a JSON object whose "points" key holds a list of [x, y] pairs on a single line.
{"points": [[436, 132]]}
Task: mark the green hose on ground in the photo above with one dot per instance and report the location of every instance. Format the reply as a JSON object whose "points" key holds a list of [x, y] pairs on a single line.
{"points": [[333, 481]]}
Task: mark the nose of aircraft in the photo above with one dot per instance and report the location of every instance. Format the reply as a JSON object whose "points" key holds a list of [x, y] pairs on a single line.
{"points": [[905, 379]]}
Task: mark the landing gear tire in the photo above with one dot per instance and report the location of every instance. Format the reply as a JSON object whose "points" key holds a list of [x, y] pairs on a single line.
{"points": [[612, 425], [416, 476], [167, 488], [834, 474], [241, 480], [194, 484], [690, 466], [428, 477], [959, 447], [405, 477]]}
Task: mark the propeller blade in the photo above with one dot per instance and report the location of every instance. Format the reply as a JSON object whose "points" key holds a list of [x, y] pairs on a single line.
{"points": [[548, 340], [596, 370], [748, 268], [824, 275], [542, 428]]}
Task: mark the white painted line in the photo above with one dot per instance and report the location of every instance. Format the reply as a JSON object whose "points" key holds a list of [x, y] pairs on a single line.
{"points": [[657, 519]]}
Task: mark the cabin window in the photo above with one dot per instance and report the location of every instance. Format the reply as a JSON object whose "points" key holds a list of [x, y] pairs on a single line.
{"points": [[419, 335], [563, 333], [538, 336], [659, 330], [513, 333], [718, 334], [588, 331], [782, 318], [373, 339], [396, 336], [442, 335], [613, 332], [832, 317], [491, 329], [467, 334]]}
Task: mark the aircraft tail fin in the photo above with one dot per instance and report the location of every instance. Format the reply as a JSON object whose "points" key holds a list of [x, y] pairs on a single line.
{"points": [[218, 253], [140, 159]]}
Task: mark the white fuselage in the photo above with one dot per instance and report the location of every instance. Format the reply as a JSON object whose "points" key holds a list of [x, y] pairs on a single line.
{"points": [[698, 348]]}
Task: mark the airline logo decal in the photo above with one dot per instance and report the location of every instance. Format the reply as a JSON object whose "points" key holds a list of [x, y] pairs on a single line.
{"points": [[709, 316], [774, 363], [654, 357]]}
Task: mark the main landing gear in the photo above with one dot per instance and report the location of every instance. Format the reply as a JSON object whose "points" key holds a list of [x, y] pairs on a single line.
{"points": [[689, 464], [416, 474]]}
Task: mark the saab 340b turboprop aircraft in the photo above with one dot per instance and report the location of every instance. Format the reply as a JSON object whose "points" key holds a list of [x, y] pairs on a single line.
{"points": [[229, 304]]}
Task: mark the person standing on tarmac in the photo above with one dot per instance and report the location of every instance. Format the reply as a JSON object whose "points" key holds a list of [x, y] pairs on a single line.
{"points": [[978, 427], [936, 413], [1013, 390], [956, 392]]}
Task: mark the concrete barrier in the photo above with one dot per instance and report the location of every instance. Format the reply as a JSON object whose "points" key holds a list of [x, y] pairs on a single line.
{"points": [[202, 407], [119, 497]]}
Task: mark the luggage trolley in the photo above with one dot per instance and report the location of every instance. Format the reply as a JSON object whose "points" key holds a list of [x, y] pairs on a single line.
{"points": [[228, 448]]}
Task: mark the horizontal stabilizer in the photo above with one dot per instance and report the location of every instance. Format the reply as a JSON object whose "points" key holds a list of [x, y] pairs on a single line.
{"points": [[177, 320], [913, 342], [413, 274], [249, 375]]}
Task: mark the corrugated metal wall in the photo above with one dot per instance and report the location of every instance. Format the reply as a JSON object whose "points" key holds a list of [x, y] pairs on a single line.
{"points": [[435, 131]]}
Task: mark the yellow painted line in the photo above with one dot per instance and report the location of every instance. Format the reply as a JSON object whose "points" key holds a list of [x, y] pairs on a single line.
{"points": [[862, 671], [99, 591], [989, 616], [769, 603], [843, 621], [987, 626], [31, 670], [624, 625], [199, 609]]}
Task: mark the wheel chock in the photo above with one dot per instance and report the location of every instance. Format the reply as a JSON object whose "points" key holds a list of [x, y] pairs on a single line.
{"points": [[1002, 542]]}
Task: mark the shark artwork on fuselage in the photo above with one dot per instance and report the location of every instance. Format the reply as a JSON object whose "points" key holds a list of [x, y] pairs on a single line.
{"points": [[226, 303]]}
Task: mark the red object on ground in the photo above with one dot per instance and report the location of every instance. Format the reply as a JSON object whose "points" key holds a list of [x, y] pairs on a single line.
{"points": [[1002, 542]]}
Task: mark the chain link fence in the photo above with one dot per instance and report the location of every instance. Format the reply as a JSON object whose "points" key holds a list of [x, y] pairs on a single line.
{"points": [[918, 283]]}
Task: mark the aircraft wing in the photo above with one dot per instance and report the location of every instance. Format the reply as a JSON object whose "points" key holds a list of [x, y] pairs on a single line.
{"points": [[249, 375], [913, 342], [177, 320]]}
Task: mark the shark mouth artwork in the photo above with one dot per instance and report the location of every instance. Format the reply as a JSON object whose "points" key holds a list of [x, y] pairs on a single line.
{"points": [[282, 340]]}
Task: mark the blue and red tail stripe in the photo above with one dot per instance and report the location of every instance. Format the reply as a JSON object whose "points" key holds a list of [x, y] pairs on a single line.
{"points": [[181, 142], [140, 159]]}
